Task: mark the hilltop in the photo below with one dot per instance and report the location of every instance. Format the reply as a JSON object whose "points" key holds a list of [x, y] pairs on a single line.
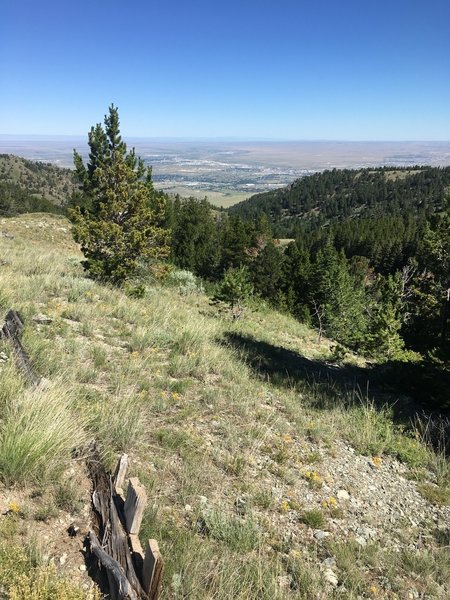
{"points": [[271, 474]]}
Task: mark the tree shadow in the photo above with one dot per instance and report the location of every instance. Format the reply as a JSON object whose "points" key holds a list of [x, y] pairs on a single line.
{"points": [[335, 383]]}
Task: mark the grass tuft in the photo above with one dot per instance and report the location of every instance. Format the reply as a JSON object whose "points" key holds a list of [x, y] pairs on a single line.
{"points": [[38, 433]]}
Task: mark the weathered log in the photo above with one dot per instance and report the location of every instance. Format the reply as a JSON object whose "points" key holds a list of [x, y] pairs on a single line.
{"points": [[116, 573], [120, 549], [11, 331]]}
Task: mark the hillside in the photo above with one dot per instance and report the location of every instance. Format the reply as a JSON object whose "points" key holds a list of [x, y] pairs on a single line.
{"points": [[27, 186], [270, 474], [333, 197]]}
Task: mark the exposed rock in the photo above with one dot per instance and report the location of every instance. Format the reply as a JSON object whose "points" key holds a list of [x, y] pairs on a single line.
{"points": [[331, 577], [321, 535], [42, 319], [329, 562], [343, 495]]}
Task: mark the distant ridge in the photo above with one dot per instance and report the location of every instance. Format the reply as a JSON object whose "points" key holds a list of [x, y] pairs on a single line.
{"points": [[335, 196]]}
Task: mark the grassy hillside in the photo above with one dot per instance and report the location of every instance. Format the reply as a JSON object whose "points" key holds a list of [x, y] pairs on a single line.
{"points": [[272, 472], [27, 186]]}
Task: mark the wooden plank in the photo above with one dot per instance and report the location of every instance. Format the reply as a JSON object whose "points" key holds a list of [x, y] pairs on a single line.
{"points": [[152, 570], [134, 505], [115, 571], [137, 554], [118, 528], [114, 540], [120, 550], [120, 474]]}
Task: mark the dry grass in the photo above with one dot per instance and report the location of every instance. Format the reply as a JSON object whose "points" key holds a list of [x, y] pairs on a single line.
{"points": [[218, 439]]}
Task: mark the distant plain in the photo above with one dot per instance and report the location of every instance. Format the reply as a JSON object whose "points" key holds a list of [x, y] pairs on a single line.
{"points": [[230, 171]]}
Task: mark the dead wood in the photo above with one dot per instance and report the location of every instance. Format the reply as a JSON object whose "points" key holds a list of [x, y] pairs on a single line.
{"points": [[116, 573], [11, 331], [109, 526]]}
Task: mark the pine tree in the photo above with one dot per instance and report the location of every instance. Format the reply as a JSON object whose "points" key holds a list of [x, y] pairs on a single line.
{"points": [[235, 286], [435, 286], [194, 238], [340, 296], [383, 339], [122, 222], [267, 273], [296, 281]]}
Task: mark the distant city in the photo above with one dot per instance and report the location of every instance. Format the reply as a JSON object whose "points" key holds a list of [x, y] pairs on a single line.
{"points": [[227, 172]]}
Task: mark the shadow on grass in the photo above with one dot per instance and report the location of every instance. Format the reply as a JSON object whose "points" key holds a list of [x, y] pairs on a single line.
{"points": [[405, 388]]}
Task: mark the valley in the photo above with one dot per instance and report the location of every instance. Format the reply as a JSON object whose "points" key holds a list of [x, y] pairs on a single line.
{"points": [[228, 172]]}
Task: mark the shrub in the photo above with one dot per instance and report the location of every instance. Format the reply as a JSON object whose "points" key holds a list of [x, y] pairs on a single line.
{"points": [[185, 281]]}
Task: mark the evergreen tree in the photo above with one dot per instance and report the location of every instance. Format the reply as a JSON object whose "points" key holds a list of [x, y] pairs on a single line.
{"points": [[235, 286], [122, 222], [433, 290], [237, 237], [341, 297], [194, 238], [383, 339], [267, 273], [296, 281]]}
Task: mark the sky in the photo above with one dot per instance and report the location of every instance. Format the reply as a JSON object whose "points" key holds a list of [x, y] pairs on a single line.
{"points": [[241, 69]]}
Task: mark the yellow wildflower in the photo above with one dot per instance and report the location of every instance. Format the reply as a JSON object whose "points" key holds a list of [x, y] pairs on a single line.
{"points": [[377, 461], [330, 502], [314, 479], [14, 508]]}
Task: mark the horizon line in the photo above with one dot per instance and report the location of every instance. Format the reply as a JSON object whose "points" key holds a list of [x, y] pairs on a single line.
{"points": [[62, 137]]}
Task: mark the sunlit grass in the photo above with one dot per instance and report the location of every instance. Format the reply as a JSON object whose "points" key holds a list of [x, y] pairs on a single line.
{"points": [[158, 377]]}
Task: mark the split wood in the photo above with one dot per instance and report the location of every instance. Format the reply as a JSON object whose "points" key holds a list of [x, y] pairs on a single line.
{"points": [[132, 573]]}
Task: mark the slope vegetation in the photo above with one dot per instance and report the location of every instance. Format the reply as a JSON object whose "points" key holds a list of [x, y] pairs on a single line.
{"points": [[271, 474], [335, 196], [27, 186]]}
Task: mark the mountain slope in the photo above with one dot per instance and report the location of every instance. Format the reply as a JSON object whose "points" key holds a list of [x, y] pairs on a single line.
{"points": [[336, 196], [27, 186], [269, 475]]}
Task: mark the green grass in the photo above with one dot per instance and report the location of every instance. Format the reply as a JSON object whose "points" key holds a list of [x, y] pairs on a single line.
{"points": [[435, 494], [38, 432], [21, 579], [239, 535], [314, 519], [206, 409]]}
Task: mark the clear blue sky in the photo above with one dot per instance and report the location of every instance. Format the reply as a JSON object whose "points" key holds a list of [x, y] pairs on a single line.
{"points": [[280, 69]]}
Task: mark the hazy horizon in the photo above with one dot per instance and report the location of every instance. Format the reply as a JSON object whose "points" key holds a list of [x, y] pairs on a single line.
{"points": [[229, 171], [218, 138]]}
